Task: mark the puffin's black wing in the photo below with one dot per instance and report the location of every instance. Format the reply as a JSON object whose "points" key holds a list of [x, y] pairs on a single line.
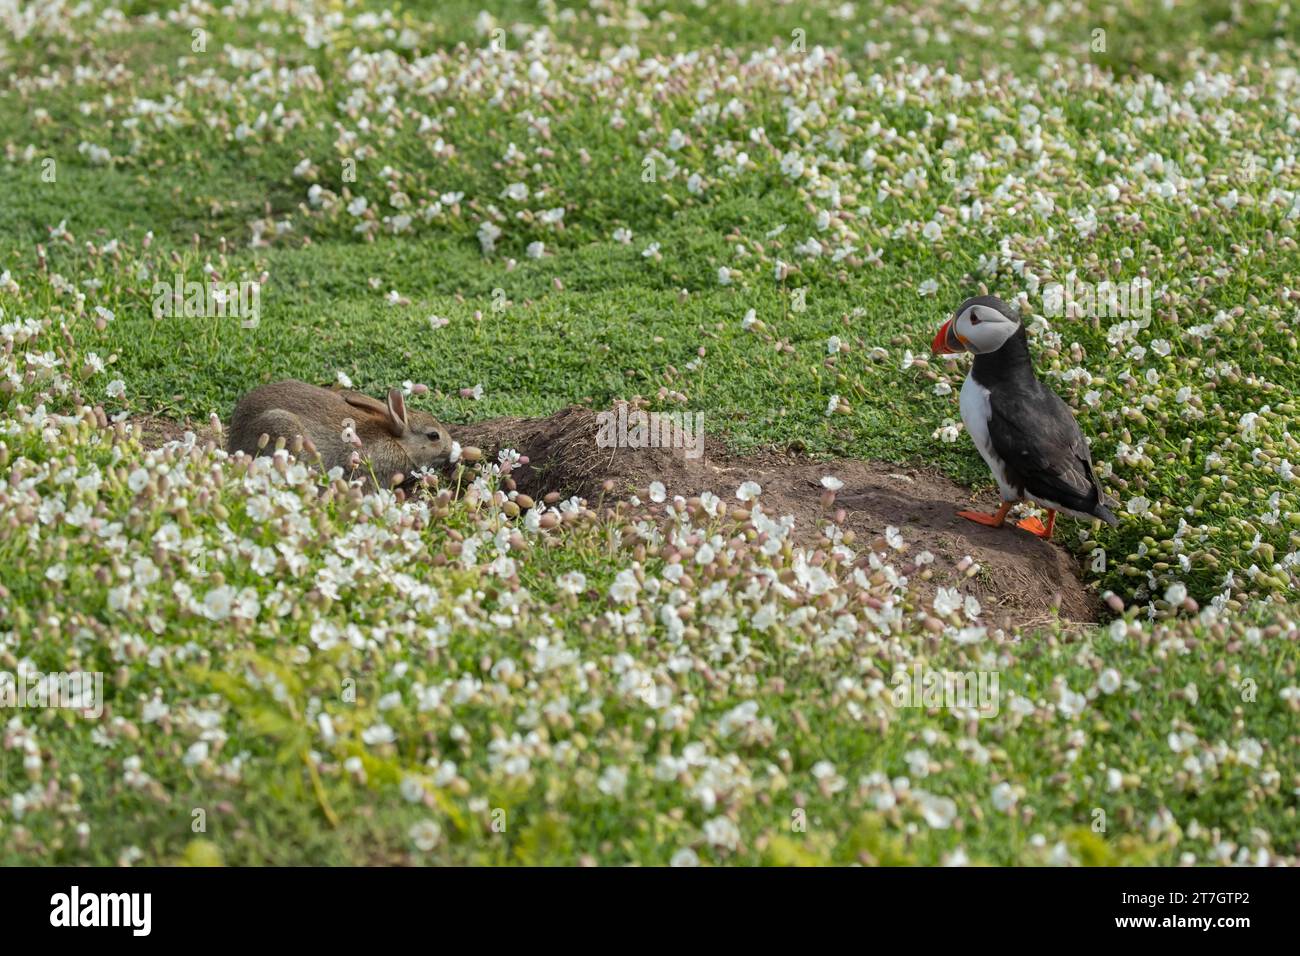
{"points": [[1035, 433]]}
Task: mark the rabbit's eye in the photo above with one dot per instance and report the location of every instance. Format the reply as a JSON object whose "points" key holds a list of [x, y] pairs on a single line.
{"points": [[434, 436]]}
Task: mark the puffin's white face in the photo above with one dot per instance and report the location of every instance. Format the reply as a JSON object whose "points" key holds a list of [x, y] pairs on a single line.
{"points": [[978, 327], [983, 329]]}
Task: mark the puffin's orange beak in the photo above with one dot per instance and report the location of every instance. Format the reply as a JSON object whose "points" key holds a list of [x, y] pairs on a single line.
{"points": [[945, 340]]}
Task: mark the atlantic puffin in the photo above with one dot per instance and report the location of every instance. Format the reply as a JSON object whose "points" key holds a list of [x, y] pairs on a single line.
{"points": [[1024, 432]]}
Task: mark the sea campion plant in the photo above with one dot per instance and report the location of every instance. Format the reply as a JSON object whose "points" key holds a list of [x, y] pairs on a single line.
{"points": [[760, 210], [299, 670]]}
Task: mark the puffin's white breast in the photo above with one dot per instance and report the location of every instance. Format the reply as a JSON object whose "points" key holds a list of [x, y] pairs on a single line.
{"points": [[976, 414]]}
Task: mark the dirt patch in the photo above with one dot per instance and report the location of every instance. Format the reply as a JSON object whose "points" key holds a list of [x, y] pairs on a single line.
{"points": [[155, 432], [1023, 579]]}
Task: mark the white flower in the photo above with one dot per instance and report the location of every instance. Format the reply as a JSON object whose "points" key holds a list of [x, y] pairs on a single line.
{"points": [[412, 788], [218, 602], [572, 582], [947, 601], [748, 491], [613, 782], [1249, 752], [918, 763], [948, 432], [828, 778], [488, 234], [832, 483], [425, 835], [939, 812], [378, 734], [722, 832], [625, 587], [1071, 703], [196, 754], [1004, 797]]}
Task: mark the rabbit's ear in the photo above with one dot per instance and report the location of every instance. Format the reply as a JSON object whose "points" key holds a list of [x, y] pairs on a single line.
{"points": [[397, 411], [357, 400]]}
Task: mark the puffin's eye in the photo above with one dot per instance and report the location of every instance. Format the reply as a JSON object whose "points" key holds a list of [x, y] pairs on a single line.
{"points": [[974, 319]]}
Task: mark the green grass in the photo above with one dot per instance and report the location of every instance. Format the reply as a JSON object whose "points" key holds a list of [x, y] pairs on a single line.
{"points": [[1203, 202]]}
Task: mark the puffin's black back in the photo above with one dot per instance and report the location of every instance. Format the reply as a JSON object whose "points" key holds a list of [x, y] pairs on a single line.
{"points": [[1035, 433]]}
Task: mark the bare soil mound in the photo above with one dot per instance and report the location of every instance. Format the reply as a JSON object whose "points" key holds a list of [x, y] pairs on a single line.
{"points": [[155, 432], [1023, 579]]}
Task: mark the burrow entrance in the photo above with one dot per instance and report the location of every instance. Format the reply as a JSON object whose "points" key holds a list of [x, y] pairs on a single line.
{"points": [[1023, 579]]}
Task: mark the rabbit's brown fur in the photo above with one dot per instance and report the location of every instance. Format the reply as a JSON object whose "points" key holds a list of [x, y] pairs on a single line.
{"points": [[394, 439]]}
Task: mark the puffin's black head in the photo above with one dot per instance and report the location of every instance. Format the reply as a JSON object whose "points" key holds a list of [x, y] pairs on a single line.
{"points": [[980, 325]]}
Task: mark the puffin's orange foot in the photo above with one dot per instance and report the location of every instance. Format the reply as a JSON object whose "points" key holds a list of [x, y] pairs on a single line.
{"points": [[1034, 526], [994, 520], [979, 517]]}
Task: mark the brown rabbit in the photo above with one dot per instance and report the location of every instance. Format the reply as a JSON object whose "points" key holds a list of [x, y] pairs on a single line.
{"points": [[393, 439]]}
